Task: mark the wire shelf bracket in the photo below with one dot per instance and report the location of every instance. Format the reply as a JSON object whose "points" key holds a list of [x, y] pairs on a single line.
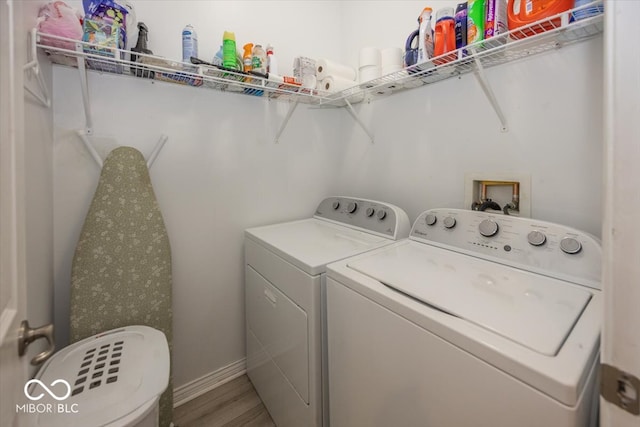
{"points": [[486, 88], [33, 67], [84, 136], [358, 120], [283, 125]]}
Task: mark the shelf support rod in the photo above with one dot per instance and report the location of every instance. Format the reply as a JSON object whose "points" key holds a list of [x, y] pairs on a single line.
{"points": [[84, 87], [156, 150], [486, 87], [292, 108], [356, 117], [82, 133], [33, 66]]}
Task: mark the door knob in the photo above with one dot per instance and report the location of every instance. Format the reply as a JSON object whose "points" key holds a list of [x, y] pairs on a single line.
{"points": [[27, 335]]}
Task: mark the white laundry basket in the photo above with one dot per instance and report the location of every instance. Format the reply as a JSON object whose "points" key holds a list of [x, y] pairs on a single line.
{"points": [[112, 379]]}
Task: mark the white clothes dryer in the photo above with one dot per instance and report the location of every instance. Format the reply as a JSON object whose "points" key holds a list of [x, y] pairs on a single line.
{"points": [[284, 287], [476, 320]]}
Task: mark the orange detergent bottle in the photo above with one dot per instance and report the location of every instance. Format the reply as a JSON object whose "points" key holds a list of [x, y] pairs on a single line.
{"points": [[445, 35], [524, 12]]}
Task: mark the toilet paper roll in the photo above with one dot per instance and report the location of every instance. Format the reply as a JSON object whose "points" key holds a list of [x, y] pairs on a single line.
{"points": [[335, 84], [370, 72], [309, 81], [391, 57], [355, 98], [327, 68], [369, 56]]}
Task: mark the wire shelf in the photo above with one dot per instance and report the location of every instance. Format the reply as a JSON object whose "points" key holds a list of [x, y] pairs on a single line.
{"points": [[559, 30], [552, 33], [75, 53]]}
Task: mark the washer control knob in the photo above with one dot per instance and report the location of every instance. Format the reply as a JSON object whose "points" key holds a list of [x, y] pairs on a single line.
{"points": [[352, 207], [488, 227], [570, 246], [449, 222], [536, 238], [335, 205], [382, 214], [431, 219], [370, 211]]}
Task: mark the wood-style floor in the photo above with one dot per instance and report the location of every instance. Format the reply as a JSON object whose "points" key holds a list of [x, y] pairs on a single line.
{"points": [[233, 404]]}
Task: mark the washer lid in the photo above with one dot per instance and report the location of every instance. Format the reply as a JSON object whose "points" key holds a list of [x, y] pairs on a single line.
{"points": [[311, 244], [530, 309]]}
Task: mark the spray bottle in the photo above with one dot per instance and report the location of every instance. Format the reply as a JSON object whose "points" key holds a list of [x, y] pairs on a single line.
{"points": [[189, 43], [272, 61], [425, 44], [141, 47]]}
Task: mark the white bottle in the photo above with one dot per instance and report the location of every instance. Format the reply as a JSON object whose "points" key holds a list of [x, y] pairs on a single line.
{"points": [[272, 61], [189, 44], [425, 44], [259, 59]]}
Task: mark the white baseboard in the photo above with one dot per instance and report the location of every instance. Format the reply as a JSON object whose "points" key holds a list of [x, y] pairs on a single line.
{"points": [[208, 382]]}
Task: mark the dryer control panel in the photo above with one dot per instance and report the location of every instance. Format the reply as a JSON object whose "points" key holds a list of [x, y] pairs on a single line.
{"points": [[541, 247], [380, 218]]}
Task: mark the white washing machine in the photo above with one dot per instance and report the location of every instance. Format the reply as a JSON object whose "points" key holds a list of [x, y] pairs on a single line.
{"points": [[284, 286], [476, 320]]}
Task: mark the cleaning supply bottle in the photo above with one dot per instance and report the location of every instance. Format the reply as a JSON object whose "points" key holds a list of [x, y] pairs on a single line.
{"points": [[141, 47], [445, 34], [425, 43], [259, 59], [229, 58], [189, 43], [247, 64], [217, 59], [272, 61]]}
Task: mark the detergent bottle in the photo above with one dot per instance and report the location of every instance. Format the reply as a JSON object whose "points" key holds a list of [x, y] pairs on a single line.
{"points": [[445, 34]]}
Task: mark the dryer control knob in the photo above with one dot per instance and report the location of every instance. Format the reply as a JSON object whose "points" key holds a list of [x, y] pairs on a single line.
{"points": [[570, 246], [488, 228], [352, 207], [370, 211], [335, 205], [536, 238], [382, 214], [449, 222], [431, 219]]}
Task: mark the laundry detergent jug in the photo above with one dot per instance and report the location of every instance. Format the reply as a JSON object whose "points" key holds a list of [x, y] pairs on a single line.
{"points": [[410, 52], [524, 12]]}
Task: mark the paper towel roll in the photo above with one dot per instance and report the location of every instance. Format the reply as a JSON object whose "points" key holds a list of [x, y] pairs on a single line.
{"points": [[370, 72], [335, 84], [327, 68], [391, 57], [369, 56]]}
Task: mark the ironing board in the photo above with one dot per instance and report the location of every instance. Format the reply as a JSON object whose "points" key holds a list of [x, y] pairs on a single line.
{"points": [[121, 272]]}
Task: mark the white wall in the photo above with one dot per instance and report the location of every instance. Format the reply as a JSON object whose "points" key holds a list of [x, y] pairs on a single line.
{"points": [[428, 138], [220, 172], [38, 138]]}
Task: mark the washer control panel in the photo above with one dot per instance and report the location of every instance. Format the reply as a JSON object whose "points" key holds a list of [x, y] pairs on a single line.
{"points": [[369, 215], [537, 246]]}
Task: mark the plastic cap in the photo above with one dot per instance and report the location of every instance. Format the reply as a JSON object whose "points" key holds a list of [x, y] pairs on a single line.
{"points": [[247, 48]]}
